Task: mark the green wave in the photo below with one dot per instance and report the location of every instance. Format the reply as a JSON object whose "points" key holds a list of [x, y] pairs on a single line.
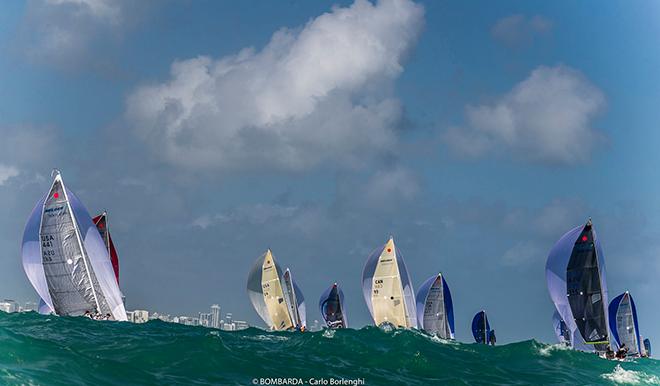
{"points": [[46, 350]]}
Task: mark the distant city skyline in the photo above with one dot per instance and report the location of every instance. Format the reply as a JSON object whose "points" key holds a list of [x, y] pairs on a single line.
{"points": [[475, 133]]}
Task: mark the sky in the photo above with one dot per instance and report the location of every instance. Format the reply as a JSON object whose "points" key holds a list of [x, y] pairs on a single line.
{"points": [[475, 133]]}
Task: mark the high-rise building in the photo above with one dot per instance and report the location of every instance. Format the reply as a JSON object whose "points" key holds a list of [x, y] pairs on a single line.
{"points": [[228, 318], [215, 316], [8, 305], [29, 306], [140, 316], [241, 325], [204, 319]]}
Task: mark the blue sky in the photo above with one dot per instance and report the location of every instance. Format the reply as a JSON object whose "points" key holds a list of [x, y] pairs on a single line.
{"points": [[474, 132]]}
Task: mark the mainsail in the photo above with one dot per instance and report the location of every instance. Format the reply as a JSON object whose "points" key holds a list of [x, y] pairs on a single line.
{"points": [[295, 301], [387, 288], [556, 277], [435, 309], [266, 293], [65, 259], [101, 222], [481, 328], [331, 304], [562, 332], [586, 290], [623, 314]]}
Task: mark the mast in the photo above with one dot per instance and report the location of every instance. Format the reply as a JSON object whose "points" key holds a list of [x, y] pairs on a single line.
{"points": [[485, 327], [600, 282]]}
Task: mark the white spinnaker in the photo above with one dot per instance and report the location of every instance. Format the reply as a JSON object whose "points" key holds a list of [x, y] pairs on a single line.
{"points": [[271, 285], [387, 290], [44, 309], [31, 253]]}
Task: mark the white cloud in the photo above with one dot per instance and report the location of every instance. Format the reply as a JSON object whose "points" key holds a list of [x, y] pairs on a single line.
{"points": [[7, 172], [67, 33], [522, 253], [390, 186], [518, 30], [104, 11], [546, 118], [321, 93]]}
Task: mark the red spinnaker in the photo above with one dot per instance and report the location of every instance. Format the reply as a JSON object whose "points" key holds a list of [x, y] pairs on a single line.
{"points": [[101, 222]]}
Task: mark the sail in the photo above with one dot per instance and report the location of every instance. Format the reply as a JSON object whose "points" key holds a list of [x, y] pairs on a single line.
{"points": [[435, 309], [481, 328], [302, 308], [556, 270], [101, 222], [266, 293], [623, 316], [331, 304], [295, 300], [44, 309], [586, 289], [647, 347], [561, 330], [73, 277], [387, 288], [31, 254]]}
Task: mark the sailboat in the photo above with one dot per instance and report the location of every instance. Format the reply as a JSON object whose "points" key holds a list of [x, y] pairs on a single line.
{"points": [[101, 222], [65, 258], [561, 330], [295, 301], [331, 304], [575, 275], [647, 347], [623, 316], [270, 297], [387, 288], [435, 309], [481, 328]]}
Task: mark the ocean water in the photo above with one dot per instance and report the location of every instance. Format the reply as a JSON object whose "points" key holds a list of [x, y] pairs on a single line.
{"points": [[46, 350]]}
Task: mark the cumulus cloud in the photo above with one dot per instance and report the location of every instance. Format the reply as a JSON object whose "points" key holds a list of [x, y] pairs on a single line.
{"points": [[7, 172], [390, 186], [64, 32], [26, 146], [519, 30], [320, 93], [522, 253], [545, 118]]}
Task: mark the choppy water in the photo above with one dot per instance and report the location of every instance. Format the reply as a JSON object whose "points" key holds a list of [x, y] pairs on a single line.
{"points": [[40, 350]]}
